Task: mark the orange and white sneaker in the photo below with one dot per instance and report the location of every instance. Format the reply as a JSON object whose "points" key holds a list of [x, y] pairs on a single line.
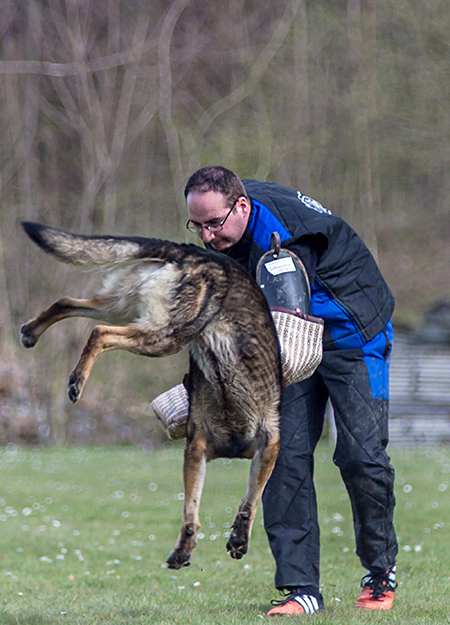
{"points": [[298, 601], [378, 590]]}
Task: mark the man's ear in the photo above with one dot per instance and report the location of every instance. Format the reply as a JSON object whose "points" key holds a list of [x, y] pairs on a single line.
{"points": [[243, 206]]}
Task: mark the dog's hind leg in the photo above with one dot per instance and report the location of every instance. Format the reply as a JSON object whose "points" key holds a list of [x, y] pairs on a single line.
{"points": [[62, 309], [261, 469], [194, 470], [108, 338]]}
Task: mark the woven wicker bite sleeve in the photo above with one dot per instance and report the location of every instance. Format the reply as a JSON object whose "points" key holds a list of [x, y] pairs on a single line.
{"points": [[300, 339], [172, 409]]}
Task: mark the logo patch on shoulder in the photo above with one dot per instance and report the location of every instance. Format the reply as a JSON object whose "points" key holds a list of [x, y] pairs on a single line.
{"points": [[314, 204]]}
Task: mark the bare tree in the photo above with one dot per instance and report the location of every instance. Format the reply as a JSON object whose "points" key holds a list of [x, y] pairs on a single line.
{"points": [[362, 37]]}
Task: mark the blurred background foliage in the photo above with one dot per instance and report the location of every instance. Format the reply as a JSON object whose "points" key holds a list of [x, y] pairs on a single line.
{"points": [[107, 107]]}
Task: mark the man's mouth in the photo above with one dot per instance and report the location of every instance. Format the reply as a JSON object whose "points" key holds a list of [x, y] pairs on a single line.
{"points": [[220, 244]]}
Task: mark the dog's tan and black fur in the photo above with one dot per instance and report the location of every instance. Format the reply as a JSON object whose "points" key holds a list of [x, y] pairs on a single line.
{"points": [[161, 296]]}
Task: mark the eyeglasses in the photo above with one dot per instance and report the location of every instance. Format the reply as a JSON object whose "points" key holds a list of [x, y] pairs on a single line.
{"points": [[215, 225]]}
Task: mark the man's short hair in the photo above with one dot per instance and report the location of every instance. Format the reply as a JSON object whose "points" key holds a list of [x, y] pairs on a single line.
{"points": [[219, 179]]}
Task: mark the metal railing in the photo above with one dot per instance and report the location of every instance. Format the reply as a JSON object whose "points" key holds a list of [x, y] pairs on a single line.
{"points": [[419, 392]]}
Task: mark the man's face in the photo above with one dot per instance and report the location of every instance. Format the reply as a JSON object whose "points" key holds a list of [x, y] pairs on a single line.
{"points": [[206, 208]]}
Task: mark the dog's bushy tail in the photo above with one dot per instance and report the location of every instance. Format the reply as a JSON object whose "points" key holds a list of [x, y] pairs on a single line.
{"points": [[98, 251]]}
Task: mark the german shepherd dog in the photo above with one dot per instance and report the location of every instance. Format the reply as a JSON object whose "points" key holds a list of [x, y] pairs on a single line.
{"points": [[160, 296]]}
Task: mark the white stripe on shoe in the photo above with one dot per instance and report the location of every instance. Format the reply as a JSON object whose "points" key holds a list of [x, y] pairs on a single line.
{"points": [[308, 603]]}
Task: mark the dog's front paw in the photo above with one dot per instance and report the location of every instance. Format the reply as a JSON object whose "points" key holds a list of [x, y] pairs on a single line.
{"points": [[74, 387], [177, 559], [27, 335], [237, 546]]}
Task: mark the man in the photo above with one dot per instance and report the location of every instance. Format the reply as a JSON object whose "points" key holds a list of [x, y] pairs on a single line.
{"points": [[350, 294]]}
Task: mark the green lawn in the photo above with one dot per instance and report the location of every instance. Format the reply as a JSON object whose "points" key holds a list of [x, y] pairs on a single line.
{"points": [[85, 534]]}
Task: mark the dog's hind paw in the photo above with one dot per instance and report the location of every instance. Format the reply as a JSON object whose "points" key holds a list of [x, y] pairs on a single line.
{"points": [[27, 336], [177, 559]]}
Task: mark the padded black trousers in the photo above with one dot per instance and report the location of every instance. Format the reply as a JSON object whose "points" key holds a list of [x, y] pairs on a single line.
{"points": [[356, 381]]}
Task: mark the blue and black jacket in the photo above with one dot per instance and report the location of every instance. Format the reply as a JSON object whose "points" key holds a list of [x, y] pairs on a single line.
{"points": [[347, 288]]}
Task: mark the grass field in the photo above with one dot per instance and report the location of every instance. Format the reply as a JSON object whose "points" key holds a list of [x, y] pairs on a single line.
{"points": [[85, 534]]}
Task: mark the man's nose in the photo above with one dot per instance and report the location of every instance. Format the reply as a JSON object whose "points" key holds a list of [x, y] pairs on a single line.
{"points": [[206, 235]]}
